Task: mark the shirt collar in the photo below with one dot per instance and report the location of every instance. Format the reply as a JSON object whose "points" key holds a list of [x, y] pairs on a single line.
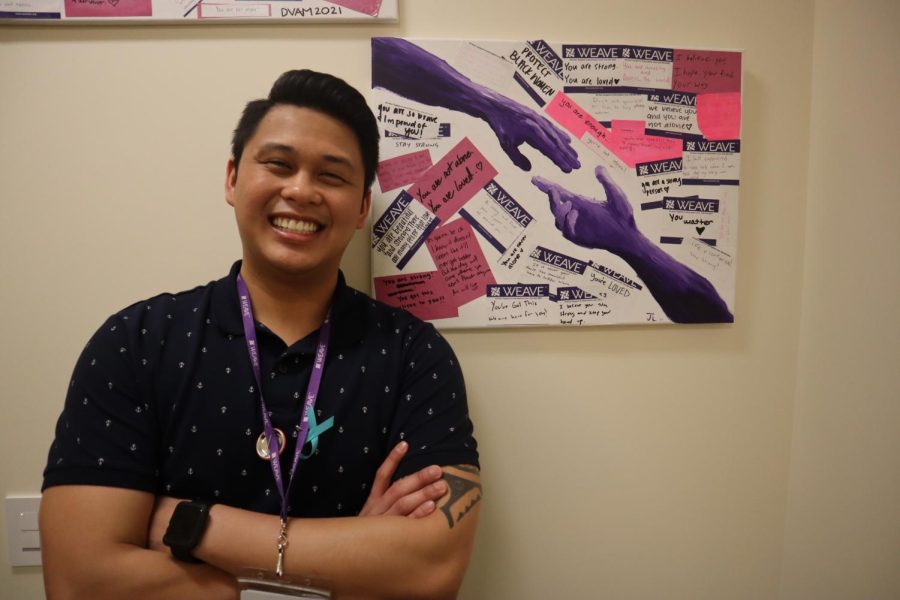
{"points": [[347, 314]]}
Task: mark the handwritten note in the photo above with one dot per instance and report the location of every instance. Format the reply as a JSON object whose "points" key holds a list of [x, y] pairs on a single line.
{"points": [[609, 159], [243, 10], [577, 307], [706, 71], [108, 8], [31, 9], [497, 216], [519, 304], [635, 146], [402, 229], [572, 117], [609, 107], [460, 261], [713, 258], [659, 177], [609, 286], [453, 180], [719, 115], [690, 216], [706, 161], [402, 170], [407, 122], [533, 71], [547, 265], [513, 260], [423, 294], [672, 112], [592, 72], [647, 73]]}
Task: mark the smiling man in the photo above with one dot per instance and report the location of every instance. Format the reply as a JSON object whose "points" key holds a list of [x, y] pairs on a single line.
{"points": [[275, 419]]}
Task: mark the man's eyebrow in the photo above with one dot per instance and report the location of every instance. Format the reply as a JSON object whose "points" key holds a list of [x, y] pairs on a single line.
{"points": [[275, 147], [338, 159]]}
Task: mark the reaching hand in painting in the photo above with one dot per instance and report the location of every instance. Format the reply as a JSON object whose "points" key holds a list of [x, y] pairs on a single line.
{"points": [[516, 124], [604, 225], [410, 71], [683, 294]]}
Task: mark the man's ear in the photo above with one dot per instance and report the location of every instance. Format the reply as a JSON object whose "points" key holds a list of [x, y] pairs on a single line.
{"points": [[230, 180], [364, 209]]}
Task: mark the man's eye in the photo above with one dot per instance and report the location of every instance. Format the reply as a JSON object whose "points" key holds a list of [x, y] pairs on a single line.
{"points": [[333, 177], [277, 164]]}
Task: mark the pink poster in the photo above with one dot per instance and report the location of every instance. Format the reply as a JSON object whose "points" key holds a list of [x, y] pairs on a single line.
{"points": [[108, 8]]}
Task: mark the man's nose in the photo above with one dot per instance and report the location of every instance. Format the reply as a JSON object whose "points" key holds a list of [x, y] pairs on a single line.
{"points": [[301, 188]]}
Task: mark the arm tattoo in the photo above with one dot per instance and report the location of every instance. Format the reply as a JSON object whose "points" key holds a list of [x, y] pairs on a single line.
{"points": [[464, 494]]}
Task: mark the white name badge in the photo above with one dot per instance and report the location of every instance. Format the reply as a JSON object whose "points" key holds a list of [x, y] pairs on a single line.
{"points": [[261, 585]]}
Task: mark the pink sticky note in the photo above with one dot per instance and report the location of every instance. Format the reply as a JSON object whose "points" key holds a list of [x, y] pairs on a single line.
{"points": [[567, 113], [368, 7], [108, 8], [460, 261], [634, 146], [719, 115], [402, 170], [423, 294], [578, 121], [706, 71], [453, 180]]}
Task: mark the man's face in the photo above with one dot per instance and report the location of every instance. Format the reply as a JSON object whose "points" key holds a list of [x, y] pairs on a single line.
{"points": [[298, 194]]}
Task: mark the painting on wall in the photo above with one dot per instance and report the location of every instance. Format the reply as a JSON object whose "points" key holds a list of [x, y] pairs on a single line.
{"points": [[542, 183], [194, 11]]}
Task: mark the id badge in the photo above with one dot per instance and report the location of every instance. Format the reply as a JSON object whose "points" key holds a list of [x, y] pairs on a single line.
{"points": [[261, 585]]}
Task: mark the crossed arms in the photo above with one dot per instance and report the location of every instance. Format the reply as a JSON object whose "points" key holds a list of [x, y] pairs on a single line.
{"points": [[413, 538]]}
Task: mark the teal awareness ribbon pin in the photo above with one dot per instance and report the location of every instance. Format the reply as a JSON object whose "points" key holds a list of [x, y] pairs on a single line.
{"points": [[315, 430]]}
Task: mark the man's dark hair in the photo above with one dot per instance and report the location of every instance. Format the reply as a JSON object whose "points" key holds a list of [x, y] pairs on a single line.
{"points": [[319, 91]]}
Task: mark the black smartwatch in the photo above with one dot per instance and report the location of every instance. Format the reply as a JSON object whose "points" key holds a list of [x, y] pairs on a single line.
{"points": [[186, 529]]}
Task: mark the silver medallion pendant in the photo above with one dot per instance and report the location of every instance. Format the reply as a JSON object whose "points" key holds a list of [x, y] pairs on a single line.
{"points": [[262, 446]]}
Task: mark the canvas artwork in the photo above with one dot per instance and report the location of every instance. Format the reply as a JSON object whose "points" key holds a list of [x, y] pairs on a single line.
{"points": [[545, 183]]}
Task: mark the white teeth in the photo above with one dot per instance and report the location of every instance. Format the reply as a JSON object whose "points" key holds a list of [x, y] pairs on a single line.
{"points": [[294, 225]]}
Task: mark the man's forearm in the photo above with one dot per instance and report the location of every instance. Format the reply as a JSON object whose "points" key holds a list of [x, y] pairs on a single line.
{"points": [[381, 556], [92, 546], [132, 572]]}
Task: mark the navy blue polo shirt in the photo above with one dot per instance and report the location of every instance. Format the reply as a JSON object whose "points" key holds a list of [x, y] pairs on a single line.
{"points": [[163, 400]]}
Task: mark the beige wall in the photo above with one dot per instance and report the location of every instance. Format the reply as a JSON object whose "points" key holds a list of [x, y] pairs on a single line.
{"points": [[707, 462], [842, 534]]}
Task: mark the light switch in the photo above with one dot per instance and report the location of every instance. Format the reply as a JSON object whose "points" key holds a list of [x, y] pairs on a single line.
{"points": [[22, 533]]}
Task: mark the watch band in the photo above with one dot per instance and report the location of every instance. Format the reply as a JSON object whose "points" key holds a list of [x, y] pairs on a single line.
{"points": [[186, 529]]}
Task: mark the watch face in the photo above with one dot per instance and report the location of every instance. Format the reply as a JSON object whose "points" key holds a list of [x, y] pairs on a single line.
{"points": [[187, 525]]}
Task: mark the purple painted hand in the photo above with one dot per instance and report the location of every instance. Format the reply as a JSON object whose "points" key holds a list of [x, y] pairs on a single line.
{"points": [[412, 72], [515, 125], [683, 294], [589, 222]]}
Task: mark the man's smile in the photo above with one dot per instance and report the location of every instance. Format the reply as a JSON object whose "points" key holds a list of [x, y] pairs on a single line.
{"points": [[295, 225]]}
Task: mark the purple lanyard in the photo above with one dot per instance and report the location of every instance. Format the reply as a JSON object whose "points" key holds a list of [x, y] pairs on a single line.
{"points": [[312, 392]]}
